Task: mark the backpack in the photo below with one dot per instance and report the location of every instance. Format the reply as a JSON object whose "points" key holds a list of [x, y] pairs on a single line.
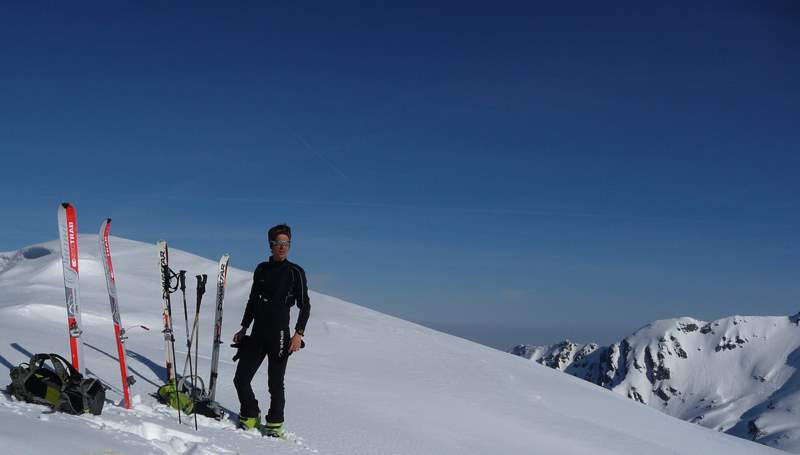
{"points": [[190, 397], [58, 385]]}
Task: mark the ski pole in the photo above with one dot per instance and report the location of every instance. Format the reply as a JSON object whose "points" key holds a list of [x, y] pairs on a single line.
{"points": [[182, 279], [191, 341], [201, 289]]}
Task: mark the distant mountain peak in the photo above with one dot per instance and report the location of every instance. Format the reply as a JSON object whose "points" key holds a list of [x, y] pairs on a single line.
{"points": [[737, 374]]}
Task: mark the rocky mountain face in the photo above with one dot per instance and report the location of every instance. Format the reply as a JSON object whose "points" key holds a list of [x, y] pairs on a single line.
{"points": [[738, 374]]}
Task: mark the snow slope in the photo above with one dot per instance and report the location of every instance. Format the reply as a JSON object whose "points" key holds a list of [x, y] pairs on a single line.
{"points": [[366, 384], [737, 374]]}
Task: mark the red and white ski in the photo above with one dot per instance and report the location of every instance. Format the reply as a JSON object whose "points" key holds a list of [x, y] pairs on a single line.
{"points": [[119, 331], [222, 278], [68, 233]]}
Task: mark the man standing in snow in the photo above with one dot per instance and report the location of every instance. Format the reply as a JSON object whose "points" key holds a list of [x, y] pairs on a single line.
{"points": [[277, 285]]}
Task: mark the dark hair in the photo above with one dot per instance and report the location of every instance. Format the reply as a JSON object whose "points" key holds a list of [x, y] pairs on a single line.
{"points": [[279, 229]]}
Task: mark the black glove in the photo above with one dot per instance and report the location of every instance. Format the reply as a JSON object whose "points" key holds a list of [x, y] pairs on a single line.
{"points": [[241, 346]]}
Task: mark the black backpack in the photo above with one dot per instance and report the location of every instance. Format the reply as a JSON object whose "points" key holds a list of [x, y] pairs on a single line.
{"points": [[61, 387]]}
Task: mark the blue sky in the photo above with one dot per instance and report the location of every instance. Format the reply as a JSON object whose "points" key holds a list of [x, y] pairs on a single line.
{"points": [[504, 170]]}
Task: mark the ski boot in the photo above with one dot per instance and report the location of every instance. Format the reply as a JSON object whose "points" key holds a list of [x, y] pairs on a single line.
{"points": [[248, 423], [273, 429]]}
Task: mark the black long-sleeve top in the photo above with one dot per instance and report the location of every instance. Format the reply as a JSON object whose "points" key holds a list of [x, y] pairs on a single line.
{"points": [[277, 286]]}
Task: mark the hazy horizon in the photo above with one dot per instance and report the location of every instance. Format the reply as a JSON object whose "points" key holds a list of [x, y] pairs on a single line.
{"points": [[505, 336]]}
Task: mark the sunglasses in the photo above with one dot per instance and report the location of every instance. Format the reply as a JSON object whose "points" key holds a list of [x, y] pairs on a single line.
{"points": [[285, 243]]}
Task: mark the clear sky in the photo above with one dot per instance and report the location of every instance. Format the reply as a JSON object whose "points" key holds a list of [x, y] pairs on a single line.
{"points": [[502, 170]]}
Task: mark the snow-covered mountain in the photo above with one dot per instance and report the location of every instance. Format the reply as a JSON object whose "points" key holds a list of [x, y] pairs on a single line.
{"points": [[367, 383], [737, 375]]}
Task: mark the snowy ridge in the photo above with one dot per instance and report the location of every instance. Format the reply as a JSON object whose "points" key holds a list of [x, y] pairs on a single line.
{"points": [[367, 383], [737, 374]]}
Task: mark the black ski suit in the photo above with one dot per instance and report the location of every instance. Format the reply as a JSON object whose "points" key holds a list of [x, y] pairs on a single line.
{"points": [[277, 286]]}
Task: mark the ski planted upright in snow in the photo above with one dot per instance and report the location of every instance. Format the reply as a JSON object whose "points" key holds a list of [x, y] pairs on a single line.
{"points": [[68, 233], [119, 331], [169, 337], [166, 289], [222, 278]]}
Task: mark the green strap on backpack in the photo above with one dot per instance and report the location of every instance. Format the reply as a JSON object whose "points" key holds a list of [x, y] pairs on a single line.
{"points": [[60, 386]]}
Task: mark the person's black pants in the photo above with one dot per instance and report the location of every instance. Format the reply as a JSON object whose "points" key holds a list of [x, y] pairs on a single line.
{"points": [[249, 363]]}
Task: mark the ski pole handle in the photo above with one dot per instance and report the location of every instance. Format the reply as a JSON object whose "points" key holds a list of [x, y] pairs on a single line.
{"points": [[201, 284], [182, 280]]}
